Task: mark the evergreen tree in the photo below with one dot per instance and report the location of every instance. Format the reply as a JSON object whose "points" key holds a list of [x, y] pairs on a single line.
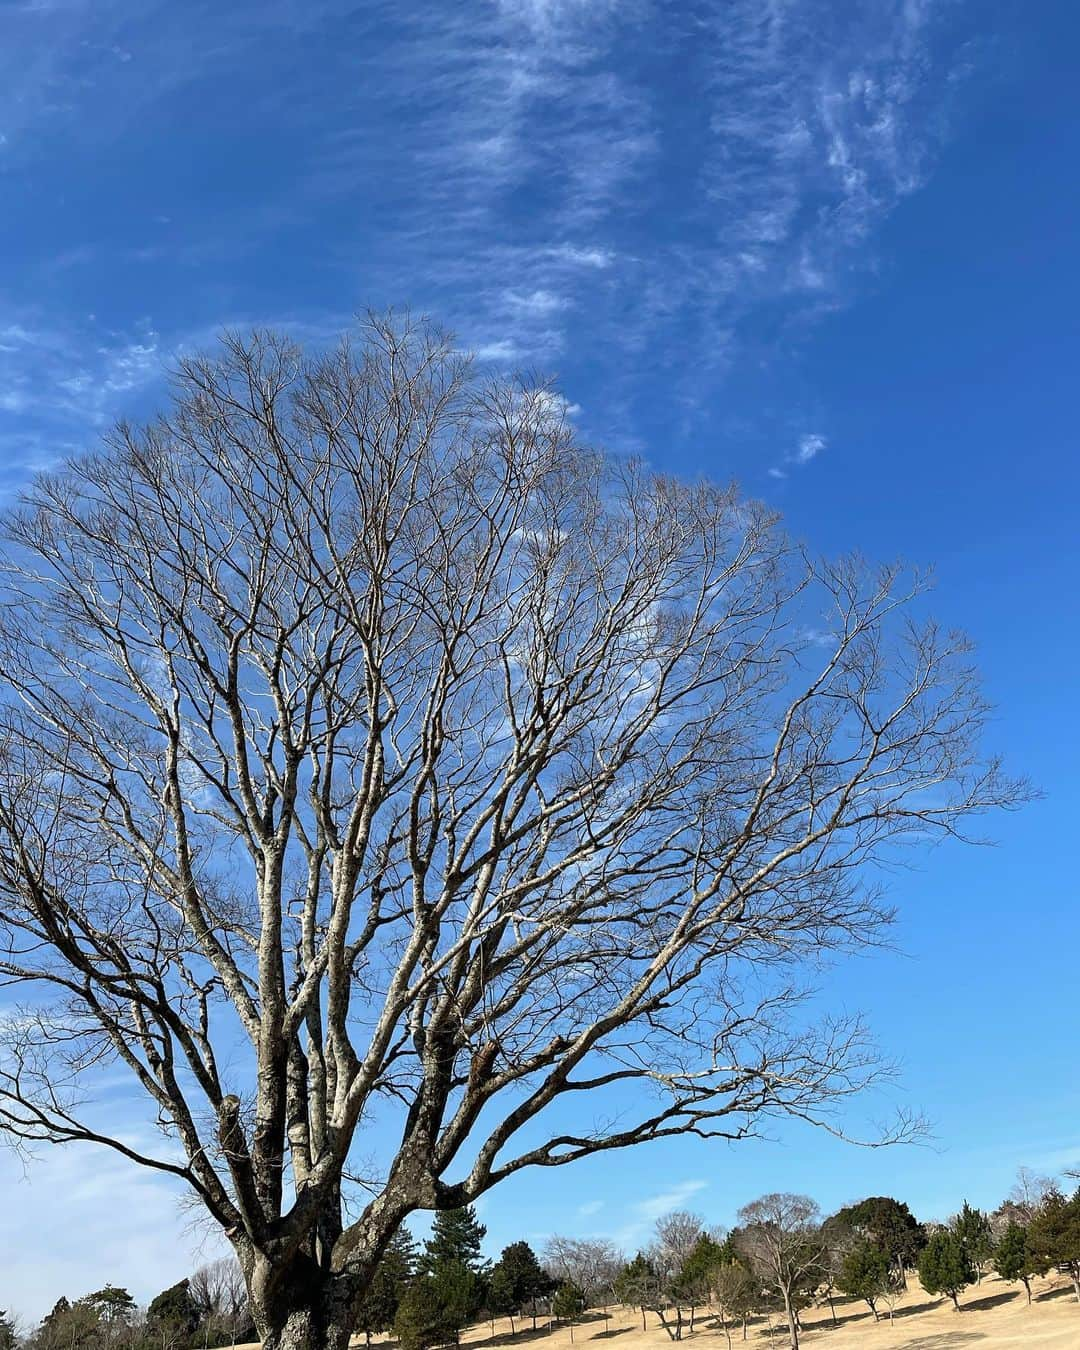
{"points": [[517, 1281], [1054, 1235], [8, 1338], [421, 1320], [502, 1298], [891, 1226], [461, 1292], [1014, 1260], [69, 1326], [865, 1272], [972, 1227], [638, 1285], [945, 1266], [456, 1235], [174, 1312], [111, 1304], [568, 1304], [379, 1306], [454, 1271]]}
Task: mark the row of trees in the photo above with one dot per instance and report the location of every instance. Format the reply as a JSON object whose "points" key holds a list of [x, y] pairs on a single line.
{"points": [[782, 1256], [207, 1310]]}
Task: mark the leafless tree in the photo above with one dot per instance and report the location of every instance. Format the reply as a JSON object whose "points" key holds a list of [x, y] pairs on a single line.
{"points": [[590, 1263], [368, 748], [782, 1238], [677, 1234], [219, 1292]]}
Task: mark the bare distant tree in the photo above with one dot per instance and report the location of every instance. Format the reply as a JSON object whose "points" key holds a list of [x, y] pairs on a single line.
{"points": [[590, 1263], [677, 1234], [783, 1241], [1028, 1193], [367, 748], [219, 1291]]}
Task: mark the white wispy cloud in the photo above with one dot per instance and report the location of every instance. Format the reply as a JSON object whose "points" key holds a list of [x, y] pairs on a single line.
{"points": [[641, 1216], [97, 1219], [528, 168], [807, 448]]}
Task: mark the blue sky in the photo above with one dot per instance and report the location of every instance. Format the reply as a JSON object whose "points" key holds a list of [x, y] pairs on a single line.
{"points": [[825, 248]]}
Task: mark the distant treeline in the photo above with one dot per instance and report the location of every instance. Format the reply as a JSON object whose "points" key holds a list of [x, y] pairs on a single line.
{"points": [[782, 1257]]}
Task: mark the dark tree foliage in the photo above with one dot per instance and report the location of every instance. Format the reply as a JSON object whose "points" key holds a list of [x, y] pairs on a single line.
{"points": [[568, 1303], [174, 1309], [517, 1281], [421, 1320], [379, 1306], [456, 1235], [111, 1304], [69, 1326], [973, 1229], [890, 1225], [8, 1337], [638, 1285], [1054, 1235], [1014, 1259], [945, 1266], [865, 1272]]}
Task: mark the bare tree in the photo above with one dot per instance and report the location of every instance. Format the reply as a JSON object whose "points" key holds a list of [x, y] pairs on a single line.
{"points": [[368, 748], [219, 1292], [677, 1234], [782, 1238], [590, 1263]]}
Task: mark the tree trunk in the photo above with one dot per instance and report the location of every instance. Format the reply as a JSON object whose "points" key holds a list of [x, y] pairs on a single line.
{"points": [[955, 1301], [1027, 1286], [305, 1309], [793, 1322]]}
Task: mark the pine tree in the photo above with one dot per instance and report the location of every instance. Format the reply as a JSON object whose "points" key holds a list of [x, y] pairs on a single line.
{"points": [[891, 1226], [972, 1227], [421, 1320], [8, 1338], [456, 1235], [517, 1281], [1054, 1235], [638, 1285], [568, 1304], [865, 1272], [1014, 1260], [945, 1266], [378, 1308], [174, 1310]]}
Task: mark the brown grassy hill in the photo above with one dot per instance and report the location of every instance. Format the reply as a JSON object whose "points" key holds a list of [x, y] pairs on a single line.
{"points": [[994, 1316]]}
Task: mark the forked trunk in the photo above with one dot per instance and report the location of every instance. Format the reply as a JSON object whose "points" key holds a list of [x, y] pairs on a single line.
{"points": [[306, 1310]]}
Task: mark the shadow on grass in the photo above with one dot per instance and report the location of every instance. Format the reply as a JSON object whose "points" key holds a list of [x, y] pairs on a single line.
{"points": [[989, 1301], [943, 1340], [1062, 1291]]}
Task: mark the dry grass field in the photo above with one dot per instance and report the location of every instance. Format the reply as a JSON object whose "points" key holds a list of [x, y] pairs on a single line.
{"points": [[994, 1315]]}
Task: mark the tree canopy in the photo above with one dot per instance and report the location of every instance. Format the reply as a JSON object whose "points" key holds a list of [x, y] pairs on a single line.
{"points": [[370, 748], [945, 1266]]}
